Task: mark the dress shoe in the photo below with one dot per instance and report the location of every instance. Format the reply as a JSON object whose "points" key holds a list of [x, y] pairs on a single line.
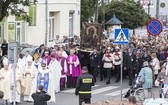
{"points": [[117, 81]]}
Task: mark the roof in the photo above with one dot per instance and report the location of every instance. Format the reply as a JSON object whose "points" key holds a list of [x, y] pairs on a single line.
{"points": [[114, 21]]}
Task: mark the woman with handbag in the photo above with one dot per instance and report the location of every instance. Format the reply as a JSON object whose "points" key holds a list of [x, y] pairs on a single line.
{"points": [[146, 79]]}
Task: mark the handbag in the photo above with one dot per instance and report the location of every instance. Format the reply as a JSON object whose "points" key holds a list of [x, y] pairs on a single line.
{"points": [[141, 78]]}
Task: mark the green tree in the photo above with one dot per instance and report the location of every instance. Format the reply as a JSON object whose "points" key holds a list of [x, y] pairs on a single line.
{"points": [[89, 10], [14, 7], [131, 13]]}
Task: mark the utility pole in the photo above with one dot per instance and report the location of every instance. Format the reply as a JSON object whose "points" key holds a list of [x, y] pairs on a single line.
{"points": [[103, 17], [46, 11], [157, 8], [96, 11]]}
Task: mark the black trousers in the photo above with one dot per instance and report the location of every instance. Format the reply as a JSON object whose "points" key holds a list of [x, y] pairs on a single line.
{"points": [[118, 72], [108, 72], [103, 74], [131, 74], [85, 100], [94, 72], [71, 81]]}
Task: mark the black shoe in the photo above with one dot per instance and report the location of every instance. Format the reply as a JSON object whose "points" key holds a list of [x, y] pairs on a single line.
{"points": [[101, 79], [130, 84], [108, 81], [117, 81]]}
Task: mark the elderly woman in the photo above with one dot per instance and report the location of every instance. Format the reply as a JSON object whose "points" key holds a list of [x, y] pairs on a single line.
{"points": [[163, 81], [146, 72]]}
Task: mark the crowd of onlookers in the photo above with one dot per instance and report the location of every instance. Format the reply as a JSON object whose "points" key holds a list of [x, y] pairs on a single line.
{"points": [[104, 60]]}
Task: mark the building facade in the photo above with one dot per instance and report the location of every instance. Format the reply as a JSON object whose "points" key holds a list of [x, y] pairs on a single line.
{"points": [[48, 19]]}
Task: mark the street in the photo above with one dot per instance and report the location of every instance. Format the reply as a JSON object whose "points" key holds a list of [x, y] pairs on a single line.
{"points": [[100, 92]]}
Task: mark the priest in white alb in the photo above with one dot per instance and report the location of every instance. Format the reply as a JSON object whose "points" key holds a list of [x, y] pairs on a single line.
{"points": [[55, 68], [18, 81], [45, 78], [28, 79], [6, 80]]}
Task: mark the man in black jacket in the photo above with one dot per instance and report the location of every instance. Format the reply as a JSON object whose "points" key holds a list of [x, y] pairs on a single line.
{"points": [[40, 97], [84, 86], [94, 63], [129, 65]]}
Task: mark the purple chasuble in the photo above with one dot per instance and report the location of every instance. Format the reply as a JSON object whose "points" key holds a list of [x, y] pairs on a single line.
{"points": [[76, 71]]}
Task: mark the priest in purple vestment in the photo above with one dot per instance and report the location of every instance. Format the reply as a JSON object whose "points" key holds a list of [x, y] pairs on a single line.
{"points": [[47, 57], [63, 62], [74, 69]]}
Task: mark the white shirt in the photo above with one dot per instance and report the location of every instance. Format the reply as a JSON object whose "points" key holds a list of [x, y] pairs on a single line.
{"points": [[70, 67], [110, 59], [156, 65]]}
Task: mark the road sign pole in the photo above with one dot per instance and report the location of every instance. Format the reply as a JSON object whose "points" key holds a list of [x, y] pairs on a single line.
{"points": [[14, 75], [121, 81]]}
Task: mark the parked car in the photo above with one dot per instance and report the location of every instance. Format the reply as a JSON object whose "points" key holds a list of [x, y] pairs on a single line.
{"points": [[23, 48], [32, 50]]}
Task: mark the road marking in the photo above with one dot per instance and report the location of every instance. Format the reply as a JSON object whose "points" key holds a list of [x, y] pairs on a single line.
{"points": [[100, 90], [116, 93], [73, 90]]}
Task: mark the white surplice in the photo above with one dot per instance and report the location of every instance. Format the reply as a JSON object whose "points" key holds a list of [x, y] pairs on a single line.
{"points": [[50, 85], [18, 85], [6, 82], [56, 68], [29, 82]]}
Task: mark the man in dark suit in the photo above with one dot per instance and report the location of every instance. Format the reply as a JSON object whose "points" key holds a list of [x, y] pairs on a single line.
{"points": [[129, 65], [94, 63], [4, 48]]}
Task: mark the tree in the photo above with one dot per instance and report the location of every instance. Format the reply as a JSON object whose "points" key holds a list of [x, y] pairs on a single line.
{"points": [[131, 13], [14, 7], [89, 10]]}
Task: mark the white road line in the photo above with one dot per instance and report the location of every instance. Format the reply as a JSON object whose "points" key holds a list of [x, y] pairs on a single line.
{"points": [[100, 90], [116, 93], [73, 90]]}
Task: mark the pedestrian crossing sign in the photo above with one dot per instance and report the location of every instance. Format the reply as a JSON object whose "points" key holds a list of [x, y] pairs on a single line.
{"points": [[121, 36]]}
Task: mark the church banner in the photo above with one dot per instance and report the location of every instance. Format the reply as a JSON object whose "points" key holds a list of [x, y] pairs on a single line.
{"points": [[91, 35]]}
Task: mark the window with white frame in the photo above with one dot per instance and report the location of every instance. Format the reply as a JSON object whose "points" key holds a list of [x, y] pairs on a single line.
{"points": [[20, 33], [71, 19], [51, 26]]}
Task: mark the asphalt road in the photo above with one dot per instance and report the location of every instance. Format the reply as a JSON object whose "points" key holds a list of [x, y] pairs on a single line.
{"points": [[100, 92]]}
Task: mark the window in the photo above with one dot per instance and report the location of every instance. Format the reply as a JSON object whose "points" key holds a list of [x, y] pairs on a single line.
{"points": [[71, 17], [51, 26], [20, 33]]}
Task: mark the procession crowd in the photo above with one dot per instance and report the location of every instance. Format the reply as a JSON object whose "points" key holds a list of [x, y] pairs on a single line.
{"points": [[58, 67]]}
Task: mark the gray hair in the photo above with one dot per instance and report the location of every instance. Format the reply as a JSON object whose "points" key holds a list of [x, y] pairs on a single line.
{"points": [[145, 64]]}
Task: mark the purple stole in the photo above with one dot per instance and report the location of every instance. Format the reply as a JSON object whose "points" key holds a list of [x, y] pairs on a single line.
{"points": [[62, 64], [76, 71], [48, 59]]}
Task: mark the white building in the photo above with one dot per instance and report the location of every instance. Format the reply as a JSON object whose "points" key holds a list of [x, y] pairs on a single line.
{"points": [[63, 18]]}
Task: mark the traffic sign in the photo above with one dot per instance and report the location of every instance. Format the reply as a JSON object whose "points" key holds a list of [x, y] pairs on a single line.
{"points": [[154, 27], [121, 36]]}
